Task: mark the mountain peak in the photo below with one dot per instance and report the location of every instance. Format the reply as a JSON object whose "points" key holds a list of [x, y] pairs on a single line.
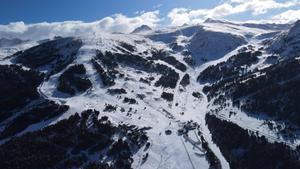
{"points": [[211, 20], [141, 29]]}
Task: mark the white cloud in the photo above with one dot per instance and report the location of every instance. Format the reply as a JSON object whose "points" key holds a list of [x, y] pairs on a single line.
{"points": [[115, 23], [287, 16], [16, 27], [258, 7], [179, 16]]}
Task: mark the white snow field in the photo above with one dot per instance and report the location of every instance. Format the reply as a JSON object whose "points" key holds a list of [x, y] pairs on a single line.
{"points": [[209, 43]]}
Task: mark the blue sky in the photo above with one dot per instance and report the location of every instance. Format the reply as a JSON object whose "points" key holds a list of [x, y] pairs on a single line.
{"points": [[45, 18], [33, 11]]}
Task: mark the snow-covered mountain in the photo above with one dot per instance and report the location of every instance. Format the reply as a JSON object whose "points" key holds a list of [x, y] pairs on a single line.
{"points": [[202, 96], [141, 29], [266, 26], [287, 43]]}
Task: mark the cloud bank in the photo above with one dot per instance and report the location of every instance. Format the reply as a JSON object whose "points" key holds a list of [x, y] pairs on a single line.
{"points": [[115, 23], [177, 16], [286, 17], [180, 16]]}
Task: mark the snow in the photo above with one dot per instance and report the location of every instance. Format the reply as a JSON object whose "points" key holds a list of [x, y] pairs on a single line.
{"points": [[213, 41], [210, 40], [6, 51], [141, 30], [211, 45], [166, 151], [286, 44]]}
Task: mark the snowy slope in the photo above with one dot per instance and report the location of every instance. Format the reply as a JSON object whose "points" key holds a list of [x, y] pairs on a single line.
{"points": [[150, 67], [287, 43], [210, 40]]}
